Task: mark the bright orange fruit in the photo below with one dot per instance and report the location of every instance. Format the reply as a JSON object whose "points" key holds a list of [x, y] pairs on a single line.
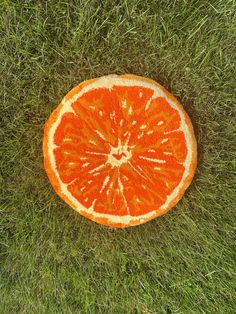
{"points": [[120, 150]]}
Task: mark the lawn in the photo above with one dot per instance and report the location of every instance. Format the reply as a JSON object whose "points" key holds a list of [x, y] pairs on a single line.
{"points": [[52, 259]]}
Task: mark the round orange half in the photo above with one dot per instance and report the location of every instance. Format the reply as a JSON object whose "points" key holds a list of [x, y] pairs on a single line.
{"points": [[120, 150]]}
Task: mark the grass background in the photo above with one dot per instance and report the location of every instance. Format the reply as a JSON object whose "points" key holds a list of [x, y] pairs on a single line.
{"points": [[52, 259]]}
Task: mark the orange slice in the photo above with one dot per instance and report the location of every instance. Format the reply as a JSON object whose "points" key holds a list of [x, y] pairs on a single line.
{"points": [[120, 150]]}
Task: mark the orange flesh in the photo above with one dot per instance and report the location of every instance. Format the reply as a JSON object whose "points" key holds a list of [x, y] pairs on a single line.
{"points": [[146, 147]]}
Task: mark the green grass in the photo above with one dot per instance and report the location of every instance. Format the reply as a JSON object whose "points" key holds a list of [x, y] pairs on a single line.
{"points": [[52, 259]]}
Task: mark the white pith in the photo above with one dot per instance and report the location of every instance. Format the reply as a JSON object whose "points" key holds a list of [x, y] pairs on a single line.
{"points": [[119, 150], [109, 82]]}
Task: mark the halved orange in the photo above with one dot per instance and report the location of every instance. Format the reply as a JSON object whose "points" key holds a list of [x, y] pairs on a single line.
{"points": [[120, 150]]}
